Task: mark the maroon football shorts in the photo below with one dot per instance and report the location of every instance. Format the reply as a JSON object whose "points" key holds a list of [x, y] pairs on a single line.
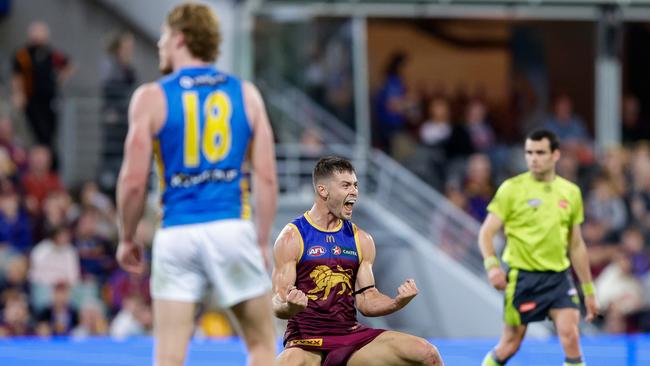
{"points": [[336, 349]]}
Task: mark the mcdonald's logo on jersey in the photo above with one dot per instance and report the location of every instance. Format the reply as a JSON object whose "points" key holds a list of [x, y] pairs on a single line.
{"points": [[330, 239]]}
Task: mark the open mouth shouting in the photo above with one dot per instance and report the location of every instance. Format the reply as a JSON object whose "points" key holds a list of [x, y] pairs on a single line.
{"points": [[349, 204]]}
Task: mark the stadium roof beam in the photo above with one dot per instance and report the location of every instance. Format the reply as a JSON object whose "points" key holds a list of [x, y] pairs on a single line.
{"points": [[585, 10]]}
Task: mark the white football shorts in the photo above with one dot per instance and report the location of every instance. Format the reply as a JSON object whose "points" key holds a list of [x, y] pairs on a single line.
{"points": [[223, 253]]}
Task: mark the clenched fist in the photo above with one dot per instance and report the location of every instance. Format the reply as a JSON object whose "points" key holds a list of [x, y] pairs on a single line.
{"points": [[406, 292], [296, 300]]}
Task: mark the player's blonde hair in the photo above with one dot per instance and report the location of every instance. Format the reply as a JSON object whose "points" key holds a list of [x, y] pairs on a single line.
{"points": [[200, 27]]}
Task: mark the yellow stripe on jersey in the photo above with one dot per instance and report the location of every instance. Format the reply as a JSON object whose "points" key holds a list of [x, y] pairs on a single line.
{"points": [[160, 165], [337, 228], [355, 228], [245, 195], [302, 243]]}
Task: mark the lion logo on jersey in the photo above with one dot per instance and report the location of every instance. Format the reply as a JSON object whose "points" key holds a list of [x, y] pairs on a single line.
{"points": [[326, 279]]}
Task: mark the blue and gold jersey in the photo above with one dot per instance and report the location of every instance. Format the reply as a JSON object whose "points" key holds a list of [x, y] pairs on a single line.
{"points": [[326, 273], [201, 148]]}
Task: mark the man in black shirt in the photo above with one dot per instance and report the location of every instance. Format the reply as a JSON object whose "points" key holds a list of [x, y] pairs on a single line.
{"points": [[37, 71]]}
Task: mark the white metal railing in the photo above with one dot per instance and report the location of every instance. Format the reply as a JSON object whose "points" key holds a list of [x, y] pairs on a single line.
{"points": [[302, 112]]}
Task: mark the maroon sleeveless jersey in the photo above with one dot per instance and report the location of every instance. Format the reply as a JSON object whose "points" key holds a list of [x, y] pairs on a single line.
{"points": [[326, 273]]}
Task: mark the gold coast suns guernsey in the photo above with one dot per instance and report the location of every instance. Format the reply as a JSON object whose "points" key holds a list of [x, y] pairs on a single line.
{"points": [[201, 148], [326, 273]]}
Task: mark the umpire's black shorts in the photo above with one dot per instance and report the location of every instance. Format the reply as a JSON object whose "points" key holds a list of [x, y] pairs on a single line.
{"points": [[531, 295]]}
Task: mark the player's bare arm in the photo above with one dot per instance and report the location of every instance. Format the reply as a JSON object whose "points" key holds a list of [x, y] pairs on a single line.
{"points": [[489, 230], [265, 185], [287, 299], [580, 263], [146, 106], [369, 300]]}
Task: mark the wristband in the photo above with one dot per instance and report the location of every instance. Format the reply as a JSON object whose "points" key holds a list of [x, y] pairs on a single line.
{"points": [[588, 288], [490, 262]]}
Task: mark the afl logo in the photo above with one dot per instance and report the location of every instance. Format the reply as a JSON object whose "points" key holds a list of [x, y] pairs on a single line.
{"points": [[336, 250], [316, 251]]}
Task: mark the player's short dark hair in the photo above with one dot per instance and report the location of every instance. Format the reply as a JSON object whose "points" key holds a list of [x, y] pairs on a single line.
{"points": [[539, 135], [327, 165]]}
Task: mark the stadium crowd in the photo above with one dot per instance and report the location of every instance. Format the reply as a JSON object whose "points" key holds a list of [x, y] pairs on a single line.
{"points": [[58, 273]]}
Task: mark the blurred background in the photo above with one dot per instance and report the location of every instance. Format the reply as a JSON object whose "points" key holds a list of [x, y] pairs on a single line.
{"points": [[430, 99]]}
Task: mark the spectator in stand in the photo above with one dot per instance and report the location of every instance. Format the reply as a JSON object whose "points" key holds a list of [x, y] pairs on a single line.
{"points": [[118, 76], [615, 165], [15, 278], [449, 143], [633, 244], [15, 317], [95, 252], [38, 69], [570, 129], [435, 133], [392, 102], [122, 284], [53, 216], [606, 206], [568, 167], [39, 180], [55, 260], [478, 187], [564, 123], [619, 293], [15, 223], [480, 131], [436, 130], [133, 319], [92, 321], [633, 127], [59, 318]]}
